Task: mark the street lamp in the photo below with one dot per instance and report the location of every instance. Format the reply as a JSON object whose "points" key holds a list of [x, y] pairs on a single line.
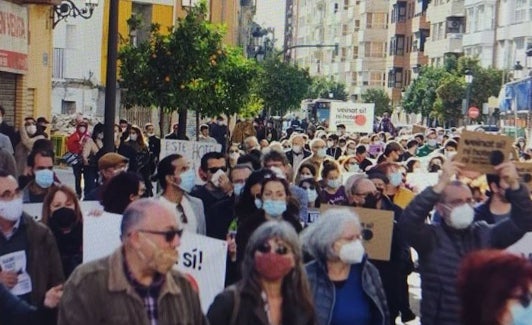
{"points": [[518, 71], [67, 8], [468, 80]]}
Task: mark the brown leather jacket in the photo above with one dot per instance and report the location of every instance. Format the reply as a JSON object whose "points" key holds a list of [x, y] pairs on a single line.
{"points": [[99, 293]]}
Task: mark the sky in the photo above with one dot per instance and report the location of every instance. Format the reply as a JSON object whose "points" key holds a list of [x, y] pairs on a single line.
{"points": [[271, 13]]}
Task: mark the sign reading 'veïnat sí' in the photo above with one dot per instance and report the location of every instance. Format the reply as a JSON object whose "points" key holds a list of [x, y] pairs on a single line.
{"points": [[481, 151]]}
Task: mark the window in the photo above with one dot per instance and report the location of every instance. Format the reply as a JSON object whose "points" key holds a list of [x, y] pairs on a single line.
{"points": [[354, 77], [520, 11], [397, 45], [58, 63], [374, 49], [345, 29], [355, 52], [376, 78], [377, 20], [399, 12], [357, 25], [68, 107]]}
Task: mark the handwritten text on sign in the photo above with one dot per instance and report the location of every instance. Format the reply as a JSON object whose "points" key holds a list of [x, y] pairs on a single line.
{"points": [[481, 151], [356, 117]]}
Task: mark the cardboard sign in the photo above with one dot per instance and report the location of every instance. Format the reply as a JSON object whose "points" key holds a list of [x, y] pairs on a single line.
{"points": [[481, 151], [523, 247], [525, 172], [419, 129], [201, 257], [377, 229], [356, 117], [192, 150]]}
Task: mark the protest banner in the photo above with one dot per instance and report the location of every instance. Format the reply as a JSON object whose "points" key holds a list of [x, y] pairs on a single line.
{"points": [[377, 228], [192, 150], [201, 257], [419, 129], [35, 209], [357, 117], [481, 151], [524, 169], [523, 247]]}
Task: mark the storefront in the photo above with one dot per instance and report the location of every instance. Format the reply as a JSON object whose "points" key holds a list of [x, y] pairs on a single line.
{"points": [[13, 54]]}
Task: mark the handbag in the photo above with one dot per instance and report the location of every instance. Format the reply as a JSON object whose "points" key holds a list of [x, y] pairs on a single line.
{"points": [[71, 158]]}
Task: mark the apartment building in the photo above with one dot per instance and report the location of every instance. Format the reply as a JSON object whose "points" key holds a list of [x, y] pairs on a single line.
{"points": [[344, 40], [80, 46], [407, 51]]}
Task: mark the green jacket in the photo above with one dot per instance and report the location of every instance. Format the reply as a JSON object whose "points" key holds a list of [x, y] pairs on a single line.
{"points": [[44, 263], [425, 150], [99, 293]]}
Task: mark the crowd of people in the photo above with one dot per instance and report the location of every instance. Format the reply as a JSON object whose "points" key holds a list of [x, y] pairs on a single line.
{"points": [[282, 201]]}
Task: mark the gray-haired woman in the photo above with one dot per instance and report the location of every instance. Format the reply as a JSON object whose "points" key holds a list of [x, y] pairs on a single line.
{"points": [[346, 287], [274, 289]]}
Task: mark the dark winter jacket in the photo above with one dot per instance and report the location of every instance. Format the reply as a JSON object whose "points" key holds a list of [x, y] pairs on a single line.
{"points": [[442, 248]]}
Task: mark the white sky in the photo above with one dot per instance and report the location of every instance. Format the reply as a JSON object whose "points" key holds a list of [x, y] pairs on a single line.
{"points": [[271, 13]]}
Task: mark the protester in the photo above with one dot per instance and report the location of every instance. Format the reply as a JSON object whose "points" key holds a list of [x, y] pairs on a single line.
{"points": [[154, 146], [319, 154], [177, 179], [411, 150], [497, 207], [251, 143], [305, 171], [75, 143], [442, 246], [27, 139], [332, 192], [22, 238], [136, 284], [273, 289], [61, 212], [7, 129], [395, 188], [346, 287], [91, 153], [41, 164], [333, 149], [204, 134], [109, 165], [120, 191], [137, 151], [430, 145], [220, 132], [42, 125], [361, 157], [5, 144], [298, 152], [495, 287], [350, 164]]}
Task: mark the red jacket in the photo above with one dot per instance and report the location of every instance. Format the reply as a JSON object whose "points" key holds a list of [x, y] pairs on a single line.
{"points": [[75, 142]]}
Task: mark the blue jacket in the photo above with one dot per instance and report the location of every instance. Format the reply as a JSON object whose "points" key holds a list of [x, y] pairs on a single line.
{"points": [[324, 292]]}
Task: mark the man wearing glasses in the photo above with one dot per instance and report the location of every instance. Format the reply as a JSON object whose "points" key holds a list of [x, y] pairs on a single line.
{"points": [[136, 284], [442, 247]]}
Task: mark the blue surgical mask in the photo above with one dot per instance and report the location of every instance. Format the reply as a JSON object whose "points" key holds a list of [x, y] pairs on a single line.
{"points": [[396, 179], [237, 188], [44, 178], [322, 153], [521, 315], [334, 183], [354, 168], [312, 195], [258, 203], [188, 180], [274, 208]]}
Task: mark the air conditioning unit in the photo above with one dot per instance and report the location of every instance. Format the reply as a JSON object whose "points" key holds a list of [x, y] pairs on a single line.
{"points": [[454, 24]]}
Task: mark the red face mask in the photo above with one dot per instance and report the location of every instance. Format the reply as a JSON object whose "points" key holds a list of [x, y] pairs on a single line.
{"points": [[273, 266]]}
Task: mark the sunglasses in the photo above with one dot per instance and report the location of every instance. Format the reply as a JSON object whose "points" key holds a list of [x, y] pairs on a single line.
{"points": [[215, 169], [310, 187], [169, 235], [267, 248]]}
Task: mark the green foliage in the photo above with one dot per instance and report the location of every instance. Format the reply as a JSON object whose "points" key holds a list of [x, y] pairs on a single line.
{"points": [[186, 69], [322, 87], [380, 98], [281, 86]]}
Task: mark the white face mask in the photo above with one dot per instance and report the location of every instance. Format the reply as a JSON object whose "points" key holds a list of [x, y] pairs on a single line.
{"points": [[321, 153], [352, 252], [450, 154], [305, 176], [234, 155], [82, 129], [461, 216], [11, 210], [31, 129], [350, 151], [354, 168], [133, 137], [312, 195], [100, 136], [330, 144], [296, 148]]}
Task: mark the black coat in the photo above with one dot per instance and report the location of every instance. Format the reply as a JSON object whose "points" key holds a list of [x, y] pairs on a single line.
{"points": [[290, 155]]}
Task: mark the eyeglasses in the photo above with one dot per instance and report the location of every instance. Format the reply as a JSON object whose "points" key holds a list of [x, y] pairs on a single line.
{"points": [[169, 235], [215, 169], [524, 298], [267, 248]]}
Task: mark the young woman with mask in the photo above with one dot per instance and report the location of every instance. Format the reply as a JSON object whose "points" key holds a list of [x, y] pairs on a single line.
{"points": [[137, 151], [395, 189], [305, 171], [311, 187], [274, 289], [273, 203], [332, 192], [346, 285], [62, 214], [92, 151]]}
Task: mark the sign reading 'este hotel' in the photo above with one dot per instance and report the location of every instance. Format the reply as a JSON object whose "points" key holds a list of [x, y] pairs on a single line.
{"points": [[13, 37]]}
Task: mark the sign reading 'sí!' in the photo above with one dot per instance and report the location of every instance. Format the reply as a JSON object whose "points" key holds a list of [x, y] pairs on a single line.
{"points": [[13, 37]]}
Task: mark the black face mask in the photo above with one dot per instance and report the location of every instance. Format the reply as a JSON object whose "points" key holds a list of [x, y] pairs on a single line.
{"points": [[63, 218], [434, 168], [370, 201]]}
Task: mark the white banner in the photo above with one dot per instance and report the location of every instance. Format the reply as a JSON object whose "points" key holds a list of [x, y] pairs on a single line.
{"points": [[523, 247], [192, 150], [356, 117], [35, 209], [201, 257]]}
